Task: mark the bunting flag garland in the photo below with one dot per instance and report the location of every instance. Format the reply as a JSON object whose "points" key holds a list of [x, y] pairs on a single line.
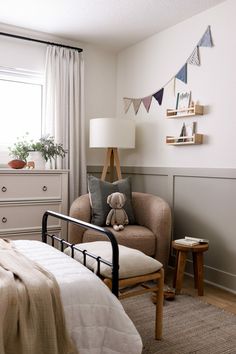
{"points": [[193, 59], [127, 103], [206, 40], [159, 95], [173, 84], [182, 74], [136, 104], [147, 102]]}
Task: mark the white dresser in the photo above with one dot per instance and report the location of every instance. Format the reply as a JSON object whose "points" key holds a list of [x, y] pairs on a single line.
{"points": [[24, 197]]}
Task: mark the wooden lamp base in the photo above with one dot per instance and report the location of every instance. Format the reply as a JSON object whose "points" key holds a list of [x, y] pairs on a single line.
{"points": [[111, 158]]}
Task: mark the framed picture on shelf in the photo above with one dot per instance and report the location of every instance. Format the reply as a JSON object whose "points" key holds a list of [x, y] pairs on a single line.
{"points": [[190, 130], [183, 100], [182, 136]]}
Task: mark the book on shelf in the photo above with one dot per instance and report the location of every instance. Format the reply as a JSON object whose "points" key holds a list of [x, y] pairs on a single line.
{"points": [[191, 241]]}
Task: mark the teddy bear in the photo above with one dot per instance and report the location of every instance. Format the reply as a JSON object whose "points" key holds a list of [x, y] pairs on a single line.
{"points": [[117, 216]]}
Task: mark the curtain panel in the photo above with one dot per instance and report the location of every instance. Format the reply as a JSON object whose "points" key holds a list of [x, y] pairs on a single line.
{"points": [[64, 112]]}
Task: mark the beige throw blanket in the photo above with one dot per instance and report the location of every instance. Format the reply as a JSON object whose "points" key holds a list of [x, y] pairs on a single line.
{"points": [[31, 314]]}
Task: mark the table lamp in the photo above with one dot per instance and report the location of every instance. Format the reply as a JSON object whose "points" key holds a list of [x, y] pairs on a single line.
{"points": [[112, 134]]}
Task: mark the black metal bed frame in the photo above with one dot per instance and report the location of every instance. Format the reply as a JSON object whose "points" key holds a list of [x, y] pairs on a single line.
{"points": [[115, 250]]}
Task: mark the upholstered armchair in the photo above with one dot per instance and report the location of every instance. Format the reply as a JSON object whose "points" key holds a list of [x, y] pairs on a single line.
{"points": [[151, 234]]}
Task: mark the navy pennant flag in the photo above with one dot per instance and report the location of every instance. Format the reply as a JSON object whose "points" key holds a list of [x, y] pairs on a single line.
{"points": [[159, 95], [206, 40], [182, 74]]}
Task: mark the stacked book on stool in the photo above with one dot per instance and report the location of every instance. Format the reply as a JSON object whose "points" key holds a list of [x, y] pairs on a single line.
{"points": [[191, 241]]}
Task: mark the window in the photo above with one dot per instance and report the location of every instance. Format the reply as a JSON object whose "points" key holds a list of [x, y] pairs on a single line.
{"points": [[21, 95]]}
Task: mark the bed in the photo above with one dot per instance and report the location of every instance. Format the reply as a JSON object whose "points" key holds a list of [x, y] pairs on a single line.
{"points": [[95, 319]]}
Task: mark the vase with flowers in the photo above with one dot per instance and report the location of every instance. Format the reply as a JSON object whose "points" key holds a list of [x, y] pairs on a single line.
{"points": [[47, 149]]}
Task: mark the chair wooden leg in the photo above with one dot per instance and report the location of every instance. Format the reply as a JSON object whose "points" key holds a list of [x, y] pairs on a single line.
{"points": [[158, 289], [108, 283], [159, 306]]}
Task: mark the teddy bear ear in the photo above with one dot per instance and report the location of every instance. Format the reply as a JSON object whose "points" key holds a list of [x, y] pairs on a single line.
{"points": [[109, 199]]}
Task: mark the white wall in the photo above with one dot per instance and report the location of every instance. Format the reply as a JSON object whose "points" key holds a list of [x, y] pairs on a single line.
{"points": [[100, 92], [99, 78], [146, 67], [21, 54]]}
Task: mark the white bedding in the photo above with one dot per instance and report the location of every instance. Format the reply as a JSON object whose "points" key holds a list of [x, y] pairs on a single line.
{"points": [[95, 318]]}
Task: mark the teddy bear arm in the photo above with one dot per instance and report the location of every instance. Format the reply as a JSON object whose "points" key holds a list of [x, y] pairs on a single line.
{"points": [[126, 218], [109, 217]]}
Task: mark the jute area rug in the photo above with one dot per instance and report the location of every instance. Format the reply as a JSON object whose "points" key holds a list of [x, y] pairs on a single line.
{"points": [[190, 326]]}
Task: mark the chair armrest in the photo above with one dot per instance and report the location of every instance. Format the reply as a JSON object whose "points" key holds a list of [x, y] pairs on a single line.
{"points": [[154, 213], [80, 209]]}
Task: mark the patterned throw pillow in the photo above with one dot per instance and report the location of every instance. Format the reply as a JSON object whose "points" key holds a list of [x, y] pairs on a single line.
{"points": [[98, 193]]}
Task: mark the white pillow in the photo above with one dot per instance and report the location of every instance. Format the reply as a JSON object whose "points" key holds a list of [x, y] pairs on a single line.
{"points": [[132, 262]]}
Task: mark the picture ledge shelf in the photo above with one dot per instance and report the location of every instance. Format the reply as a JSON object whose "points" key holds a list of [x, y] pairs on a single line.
{"points": [[195, 139], [196, 110]]}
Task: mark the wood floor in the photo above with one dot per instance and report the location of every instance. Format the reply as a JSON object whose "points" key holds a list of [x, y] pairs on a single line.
{"points": [[212, 295]]}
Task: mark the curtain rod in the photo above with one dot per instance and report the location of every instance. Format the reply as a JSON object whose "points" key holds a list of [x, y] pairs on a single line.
{"points": [[39, 41]]}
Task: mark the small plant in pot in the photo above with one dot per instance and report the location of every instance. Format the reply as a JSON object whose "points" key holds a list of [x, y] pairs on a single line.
{"points": [[48, 149], [19, 151]]}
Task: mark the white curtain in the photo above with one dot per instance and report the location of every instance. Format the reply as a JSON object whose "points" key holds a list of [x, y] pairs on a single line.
{"points": [[64, 112]]}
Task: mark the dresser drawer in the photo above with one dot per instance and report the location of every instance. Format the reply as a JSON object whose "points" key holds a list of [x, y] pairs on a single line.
{"points": [[16, 187], [26, 217]]}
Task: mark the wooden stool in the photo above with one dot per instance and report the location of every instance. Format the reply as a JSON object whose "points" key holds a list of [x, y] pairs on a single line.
{"points": [[181, 255]]}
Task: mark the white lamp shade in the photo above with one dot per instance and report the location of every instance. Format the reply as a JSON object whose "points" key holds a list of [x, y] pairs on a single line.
{"points": [[112, 132]]}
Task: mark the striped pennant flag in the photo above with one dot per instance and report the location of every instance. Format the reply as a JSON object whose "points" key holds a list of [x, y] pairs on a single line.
{"points": [[194, 58]]}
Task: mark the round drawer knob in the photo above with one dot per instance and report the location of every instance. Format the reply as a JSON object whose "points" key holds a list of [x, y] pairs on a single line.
{"points": [[4, 220], [4, 189], [45, 188]]}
